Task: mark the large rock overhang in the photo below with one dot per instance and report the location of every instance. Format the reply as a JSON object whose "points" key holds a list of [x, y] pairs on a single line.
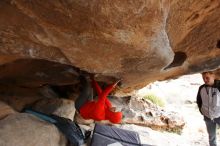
{"points": [[137, 41]]}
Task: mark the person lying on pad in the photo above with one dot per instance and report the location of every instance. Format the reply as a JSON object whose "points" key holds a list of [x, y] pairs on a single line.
{"points": [[98, 110]]}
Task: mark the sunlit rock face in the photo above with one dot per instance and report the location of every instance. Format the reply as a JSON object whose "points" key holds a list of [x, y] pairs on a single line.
{"points": [[138, 41]]}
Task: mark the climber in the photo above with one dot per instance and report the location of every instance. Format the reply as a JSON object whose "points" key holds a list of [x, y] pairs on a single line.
{"points": [[101, 109]]}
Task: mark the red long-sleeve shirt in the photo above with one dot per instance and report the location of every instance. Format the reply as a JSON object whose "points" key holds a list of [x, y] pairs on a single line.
{"points": [[100, 109]]}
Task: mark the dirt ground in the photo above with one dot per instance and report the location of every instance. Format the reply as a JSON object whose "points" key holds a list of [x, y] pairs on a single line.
{"points": [[180, 96]]}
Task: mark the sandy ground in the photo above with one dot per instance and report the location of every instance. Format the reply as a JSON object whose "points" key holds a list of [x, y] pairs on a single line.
{"points": [[180, 96]]}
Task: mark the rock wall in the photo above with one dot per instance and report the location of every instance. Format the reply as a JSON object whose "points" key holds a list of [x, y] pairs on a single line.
{"points": [[138, 41]]}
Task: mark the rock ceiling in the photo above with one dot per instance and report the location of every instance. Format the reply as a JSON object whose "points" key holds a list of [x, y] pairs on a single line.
{"points": [[139, 41]]}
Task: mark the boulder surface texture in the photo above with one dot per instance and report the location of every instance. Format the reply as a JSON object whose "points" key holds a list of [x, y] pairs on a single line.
{"points": [[138, 41]]}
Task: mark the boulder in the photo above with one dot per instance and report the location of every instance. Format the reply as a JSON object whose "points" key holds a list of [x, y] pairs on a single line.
{"points": [[141, 112], [19, 97], [45, 42], [27, 130], [5, 110], [57, 106]]}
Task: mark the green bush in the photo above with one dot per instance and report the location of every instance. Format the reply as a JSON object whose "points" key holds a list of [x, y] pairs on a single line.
{"points": [[155, 99]]}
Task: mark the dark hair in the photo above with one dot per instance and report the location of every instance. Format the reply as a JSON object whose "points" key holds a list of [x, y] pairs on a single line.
{"points": [[207, 72]]}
